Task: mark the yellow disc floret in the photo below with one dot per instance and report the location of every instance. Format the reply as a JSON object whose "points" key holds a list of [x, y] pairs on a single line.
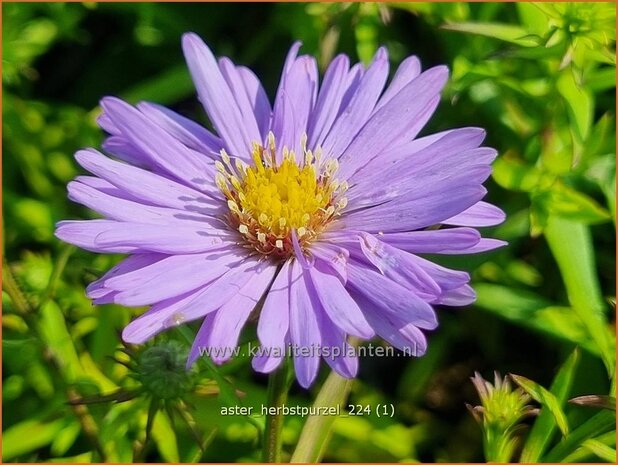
{"points": [[267, 201]]}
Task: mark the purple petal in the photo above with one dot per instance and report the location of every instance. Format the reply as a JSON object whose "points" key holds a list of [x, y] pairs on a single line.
{"points": [[304, 329], [189, 166], [391, 297], [274, 322], [408, 70], [185, 130], [447, 143], [361, 105], [171, 277], [232, 316], [121, 148], [334, 340], [237, 86], [398, 121], [201, 339], [134, 262], [480, 214], [164, 239], [399, 266], [458, 297], [414, 214], [140, 183], [217, 98], [443, 241], [298, 95], [402, 335], [439, 173], [338, 304], [84, 233], [190, 306], [328, 102], [333, 257], [257, 97]]}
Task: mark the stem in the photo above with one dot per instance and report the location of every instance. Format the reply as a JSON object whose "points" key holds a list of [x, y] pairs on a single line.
{"points": [[9, 284], [277, 395], [140, 449], [317, 430], [59, 267]]}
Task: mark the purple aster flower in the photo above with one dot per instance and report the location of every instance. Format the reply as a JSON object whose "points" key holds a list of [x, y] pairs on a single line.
{"points": [[319, 205]]}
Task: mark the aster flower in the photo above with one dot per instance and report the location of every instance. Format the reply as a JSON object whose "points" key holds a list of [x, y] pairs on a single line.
{"points": [[319, 206]]}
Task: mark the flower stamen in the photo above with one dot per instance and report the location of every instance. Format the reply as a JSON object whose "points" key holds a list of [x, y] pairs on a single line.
{"points": [[267, 201]]}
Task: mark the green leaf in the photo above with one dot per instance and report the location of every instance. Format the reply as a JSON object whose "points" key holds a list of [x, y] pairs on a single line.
{"points": [[530, 310], [571, 245], [168, 87], [505, 32], [65, 438], [600, 423], [568, 203], [600, 450], [515, 175], [53, 330], [28, 436], [584, 455], [546, 399], [542, 431], [165, 438], [316, 431], [580, 103]]}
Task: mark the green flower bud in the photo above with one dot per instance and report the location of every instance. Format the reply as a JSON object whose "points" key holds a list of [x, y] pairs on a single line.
{"points": [[161, 371]]}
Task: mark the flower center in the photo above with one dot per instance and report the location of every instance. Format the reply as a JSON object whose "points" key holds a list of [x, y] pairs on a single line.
{"points": [[268, 201]]}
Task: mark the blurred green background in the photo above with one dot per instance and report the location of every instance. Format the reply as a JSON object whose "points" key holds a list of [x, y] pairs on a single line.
{"points": [[540, 79]]}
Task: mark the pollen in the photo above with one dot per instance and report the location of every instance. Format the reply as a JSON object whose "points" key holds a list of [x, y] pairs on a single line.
{"points": [[268, 200]]}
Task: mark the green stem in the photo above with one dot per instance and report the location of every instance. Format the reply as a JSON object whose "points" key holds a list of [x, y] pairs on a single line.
{"points": [[60, 265], [317, 430], [10, 286], [277, 395]]}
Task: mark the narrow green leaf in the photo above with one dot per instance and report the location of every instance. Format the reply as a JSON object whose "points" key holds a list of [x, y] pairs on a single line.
{"points": [[571, 245], [317, 429], [600, 450], [168, 87], [546, 399], [584, 455], [505, 32], [28, 436], [54, 332], [600, 423], [165, 438], [530, 310], [571, 204], [580, 103], [545, 424], [65, 438]]}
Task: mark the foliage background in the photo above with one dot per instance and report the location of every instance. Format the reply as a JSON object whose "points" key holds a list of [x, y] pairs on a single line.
{"points": [[539, 78]]}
